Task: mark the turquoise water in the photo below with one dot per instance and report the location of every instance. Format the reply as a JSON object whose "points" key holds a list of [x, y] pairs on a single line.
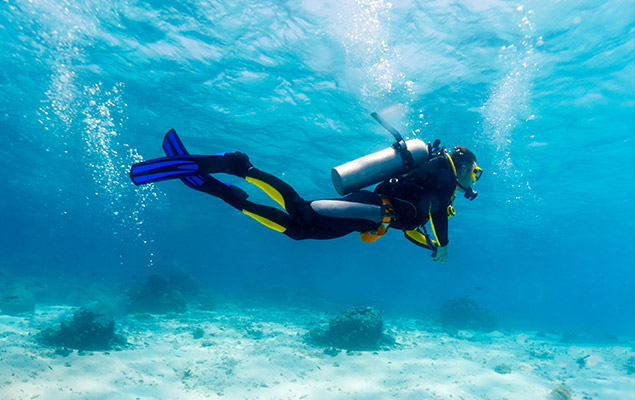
{"points": [[542, 91]]}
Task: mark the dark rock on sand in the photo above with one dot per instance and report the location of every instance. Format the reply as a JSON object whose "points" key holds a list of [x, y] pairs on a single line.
{"points": [[156, 296], [358, 328], [466, 313], [84, 330]]}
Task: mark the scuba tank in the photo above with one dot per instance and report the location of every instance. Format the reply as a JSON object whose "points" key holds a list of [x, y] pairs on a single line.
{"points": [[397, 159]]}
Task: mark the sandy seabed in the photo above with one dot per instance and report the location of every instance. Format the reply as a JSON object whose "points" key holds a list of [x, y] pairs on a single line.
{"points": [[261, 353]]}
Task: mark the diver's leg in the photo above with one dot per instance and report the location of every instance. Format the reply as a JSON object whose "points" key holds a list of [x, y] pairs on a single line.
{"points": [[327, 219], [281, 192], [237, 163], [230, 194], [303, 223], [269, 216], [194, 171], [237, 198]]}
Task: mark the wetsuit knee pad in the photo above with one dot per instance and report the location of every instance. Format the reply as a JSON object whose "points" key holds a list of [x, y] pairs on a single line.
{"points": [[348, 210]]}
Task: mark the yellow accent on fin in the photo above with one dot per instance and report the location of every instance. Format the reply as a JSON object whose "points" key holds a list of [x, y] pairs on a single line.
{"points": [[267, 188], [266, 222], [417, 236], [368, 237], [371, 236]]}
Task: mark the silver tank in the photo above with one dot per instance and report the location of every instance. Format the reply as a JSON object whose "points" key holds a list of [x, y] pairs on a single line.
{"points": [[376, 167]]}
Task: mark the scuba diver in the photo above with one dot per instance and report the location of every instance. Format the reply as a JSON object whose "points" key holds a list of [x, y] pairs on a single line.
{"points": [[418, 184]]}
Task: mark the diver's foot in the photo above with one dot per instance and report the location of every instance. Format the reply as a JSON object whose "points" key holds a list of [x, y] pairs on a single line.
{"points": [[235, 196], [235, 192], [231, 194], [237, 163]]}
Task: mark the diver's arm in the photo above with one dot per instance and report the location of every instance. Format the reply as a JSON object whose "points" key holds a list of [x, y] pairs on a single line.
{"points": [[440, 199], [439, 224], [420, 238], [441, 255], [440, 228]]}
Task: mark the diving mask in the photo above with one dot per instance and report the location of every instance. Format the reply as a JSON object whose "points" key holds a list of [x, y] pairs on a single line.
{"points": [[476, 173], [470, 193]]}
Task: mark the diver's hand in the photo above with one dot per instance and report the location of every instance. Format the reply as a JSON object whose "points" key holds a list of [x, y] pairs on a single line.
{"points": [[442, 254]]}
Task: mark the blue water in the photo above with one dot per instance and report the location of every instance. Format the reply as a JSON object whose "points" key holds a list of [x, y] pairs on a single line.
{"points": [[542, 91]]}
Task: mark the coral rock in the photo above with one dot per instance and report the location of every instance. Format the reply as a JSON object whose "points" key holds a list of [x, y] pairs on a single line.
{"points": [[503, 369], [466, 313], [83, 330], [358, 328], [156, 296]]}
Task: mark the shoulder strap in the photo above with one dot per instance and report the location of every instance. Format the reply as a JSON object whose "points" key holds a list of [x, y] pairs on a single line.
{"points": [[406, 156]]}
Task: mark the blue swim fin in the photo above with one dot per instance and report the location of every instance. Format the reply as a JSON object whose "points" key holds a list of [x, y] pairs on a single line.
{"points": [[164, 168], [203, 182], [173, 146], [192, 170]]}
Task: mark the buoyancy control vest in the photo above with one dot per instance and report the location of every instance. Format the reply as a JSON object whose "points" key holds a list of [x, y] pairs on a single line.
{"points": [[405, 189]]}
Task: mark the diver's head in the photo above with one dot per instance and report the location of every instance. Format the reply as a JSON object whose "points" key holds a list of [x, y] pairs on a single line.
{"points": [[467, 172]]}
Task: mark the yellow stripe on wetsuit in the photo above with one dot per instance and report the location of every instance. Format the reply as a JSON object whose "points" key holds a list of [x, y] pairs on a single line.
{"points": [[274, 194], [432, 225], [450, 209], [266, 222], [267, 188]]}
